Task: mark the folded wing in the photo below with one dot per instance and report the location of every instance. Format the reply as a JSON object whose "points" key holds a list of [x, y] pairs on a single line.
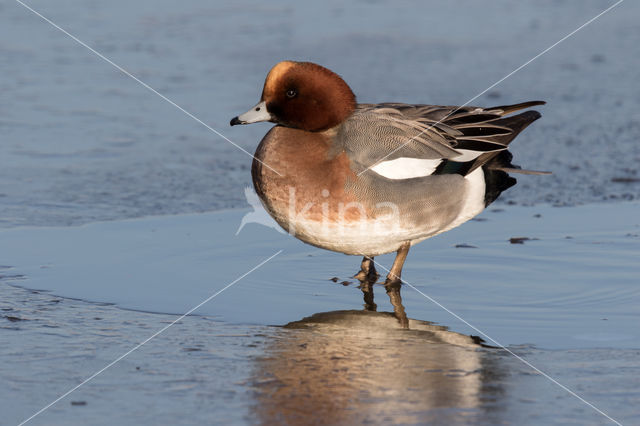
{"points": [[401, 141]]}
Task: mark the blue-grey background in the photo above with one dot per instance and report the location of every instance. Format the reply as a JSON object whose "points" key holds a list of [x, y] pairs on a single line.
{"points": [[80, 143], [83, 142]]}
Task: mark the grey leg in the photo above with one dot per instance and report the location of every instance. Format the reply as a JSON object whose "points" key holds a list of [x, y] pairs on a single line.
{"points": [[367, 271], [394, 282], [396, 269], [367, 277]]}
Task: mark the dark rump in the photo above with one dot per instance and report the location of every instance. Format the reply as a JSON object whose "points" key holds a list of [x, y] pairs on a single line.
{"points": [[497, 181]]}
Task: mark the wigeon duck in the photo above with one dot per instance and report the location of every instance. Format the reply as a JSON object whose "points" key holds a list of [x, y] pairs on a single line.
{"points": [[368, 179]]}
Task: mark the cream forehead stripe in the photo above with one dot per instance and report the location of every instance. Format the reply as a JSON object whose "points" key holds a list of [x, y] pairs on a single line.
{"points": [[276, 73]]}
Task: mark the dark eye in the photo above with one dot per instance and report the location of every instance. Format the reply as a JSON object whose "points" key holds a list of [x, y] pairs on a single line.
{"points": [[292, 93]]}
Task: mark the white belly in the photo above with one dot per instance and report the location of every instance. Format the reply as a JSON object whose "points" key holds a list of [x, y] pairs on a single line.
{"points": [[369, 238], [374, 237]]}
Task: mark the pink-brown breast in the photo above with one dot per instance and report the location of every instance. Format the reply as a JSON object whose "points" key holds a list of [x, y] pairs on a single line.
{"points": [[310, 179]]}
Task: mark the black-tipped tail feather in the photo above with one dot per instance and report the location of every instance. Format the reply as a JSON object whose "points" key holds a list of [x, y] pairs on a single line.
{"points": [[497, 165]]}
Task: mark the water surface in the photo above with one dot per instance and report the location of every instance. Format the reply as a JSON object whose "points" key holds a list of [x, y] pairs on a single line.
{"points": [[83, 144]]}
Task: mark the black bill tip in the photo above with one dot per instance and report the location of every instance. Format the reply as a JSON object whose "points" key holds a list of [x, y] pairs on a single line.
{"points": [[234, 121]]}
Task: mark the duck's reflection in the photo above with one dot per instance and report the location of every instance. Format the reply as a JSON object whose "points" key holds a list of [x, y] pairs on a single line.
{"points": [[346, 367], [393, 291]]}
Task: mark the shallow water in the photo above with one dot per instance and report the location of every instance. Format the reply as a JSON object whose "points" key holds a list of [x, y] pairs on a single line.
{"points": [[203, 371], [82, 143], [572, 284], [567, 300]]}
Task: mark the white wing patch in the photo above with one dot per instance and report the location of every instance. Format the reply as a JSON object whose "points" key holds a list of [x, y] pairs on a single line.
{"points": [[406, 168]]}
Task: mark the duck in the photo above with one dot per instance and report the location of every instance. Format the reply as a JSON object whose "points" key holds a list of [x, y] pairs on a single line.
{"points": [[369, 179]]}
